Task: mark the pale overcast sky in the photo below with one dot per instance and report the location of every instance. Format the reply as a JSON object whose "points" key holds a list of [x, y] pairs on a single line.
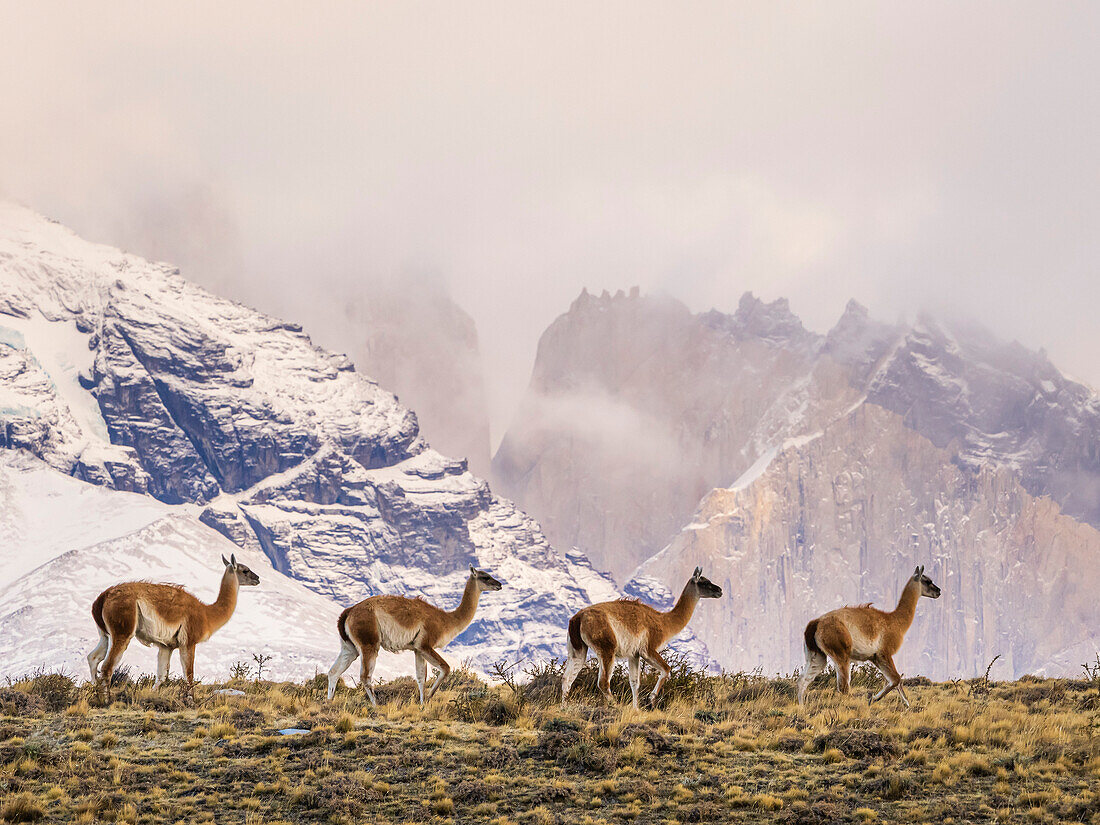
{"points": [[905, 154]]}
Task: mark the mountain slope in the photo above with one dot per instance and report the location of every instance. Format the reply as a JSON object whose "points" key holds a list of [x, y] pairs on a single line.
{"points": [[118, 371]]}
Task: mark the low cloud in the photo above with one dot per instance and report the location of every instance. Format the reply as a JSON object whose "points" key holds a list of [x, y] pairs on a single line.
{"points": [[935, 154]]}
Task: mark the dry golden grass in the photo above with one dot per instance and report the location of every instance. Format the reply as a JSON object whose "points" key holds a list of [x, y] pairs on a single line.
{"points": [[722, 749]]}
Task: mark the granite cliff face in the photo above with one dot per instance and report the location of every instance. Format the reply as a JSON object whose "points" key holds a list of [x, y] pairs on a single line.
{"points": [[120, 372], [843, 517], [636, 408], [1000, 405]]}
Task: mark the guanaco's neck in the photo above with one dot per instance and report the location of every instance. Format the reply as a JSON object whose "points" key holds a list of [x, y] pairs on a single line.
{"points": [[676, 619], [907, 605], [462, 615], [219, 611]]}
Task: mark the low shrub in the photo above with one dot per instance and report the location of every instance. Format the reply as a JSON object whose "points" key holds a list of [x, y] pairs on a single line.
{"points": [[483, 705], [19, 703], [856, 744], [56, 690]]}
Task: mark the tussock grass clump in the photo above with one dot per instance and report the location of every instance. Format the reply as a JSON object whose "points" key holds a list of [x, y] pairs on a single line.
{"points": [[14, 702], [55, 690], [22, 807], [857, 744]]}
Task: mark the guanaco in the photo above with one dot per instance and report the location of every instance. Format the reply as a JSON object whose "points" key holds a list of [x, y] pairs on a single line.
{"points": [[399, 623], [163, 615], [628, 629], [863, 634]]}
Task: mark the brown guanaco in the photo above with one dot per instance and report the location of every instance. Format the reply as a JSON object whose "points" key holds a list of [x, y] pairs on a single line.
{"points": [[863, 634]]}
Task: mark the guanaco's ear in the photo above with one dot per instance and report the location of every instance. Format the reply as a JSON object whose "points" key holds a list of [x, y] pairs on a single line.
{"points": [[225, 561], [473, 570], [698, 573], [233, 559]]}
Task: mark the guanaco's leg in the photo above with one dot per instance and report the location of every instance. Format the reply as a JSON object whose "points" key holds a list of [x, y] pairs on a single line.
{"points": [[440, 664], [421, 674], [843, 667], [606, 658], [121, 624], [815, 663], [164, 657], [114, 653], [890, 673], [348, 654], [187, 659], [370, 656], [901, 692], [98, 653], [573, 666], [654, 658], [635, 664]]}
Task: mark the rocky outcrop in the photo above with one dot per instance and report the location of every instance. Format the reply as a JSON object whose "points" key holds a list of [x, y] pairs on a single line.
{"points": [[1000, 405]]}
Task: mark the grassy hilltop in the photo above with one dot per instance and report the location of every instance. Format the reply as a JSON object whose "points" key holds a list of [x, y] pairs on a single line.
{"points": [[720, 749]]}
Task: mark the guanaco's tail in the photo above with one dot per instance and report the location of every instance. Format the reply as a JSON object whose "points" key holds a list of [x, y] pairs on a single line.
{"points": [[97, 610], [341, 624], [811, 638], [575, 640]]}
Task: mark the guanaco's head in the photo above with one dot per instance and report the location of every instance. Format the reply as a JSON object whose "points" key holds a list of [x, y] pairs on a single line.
{"points": [[483, 580], [245, 576], [927, 586], [704, 587]]}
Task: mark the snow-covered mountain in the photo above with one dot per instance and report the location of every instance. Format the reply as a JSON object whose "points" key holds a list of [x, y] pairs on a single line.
{"points": [[638, 409], [121, 373]]}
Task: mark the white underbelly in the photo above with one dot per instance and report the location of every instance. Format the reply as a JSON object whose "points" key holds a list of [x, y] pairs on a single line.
{"points": [[863, 647], [630, 644], [153, 630], [393, 636]]}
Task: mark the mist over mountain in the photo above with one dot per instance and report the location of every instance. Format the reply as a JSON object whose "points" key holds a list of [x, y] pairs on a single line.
{"points": [[637, 408], [410, 336]]}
